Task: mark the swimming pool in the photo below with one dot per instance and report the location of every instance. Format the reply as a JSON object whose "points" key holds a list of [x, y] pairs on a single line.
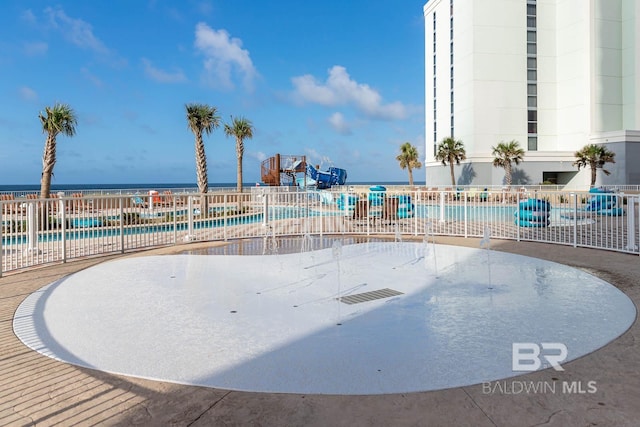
{"points": [[87, 232]]}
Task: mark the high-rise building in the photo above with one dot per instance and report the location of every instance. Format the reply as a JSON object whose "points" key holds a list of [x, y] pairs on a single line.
{"points": [[554, 75]]}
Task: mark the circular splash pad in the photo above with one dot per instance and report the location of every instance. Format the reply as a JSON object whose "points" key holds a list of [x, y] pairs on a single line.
{"points": [[367, 318]]}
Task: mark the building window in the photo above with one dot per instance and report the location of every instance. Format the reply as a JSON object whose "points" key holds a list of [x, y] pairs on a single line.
{"points": [[435, 111], [451, 82], [532, 76]]}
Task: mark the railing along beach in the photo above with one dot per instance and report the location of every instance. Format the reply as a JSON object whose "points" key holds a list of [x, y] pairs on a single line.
{"points": [[35, 231]]}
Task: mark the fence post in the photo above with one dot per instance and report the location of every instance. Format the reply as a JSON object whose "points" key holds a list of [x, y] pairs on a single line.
{"points": [[415, 212], [631, 224], [517, 216], [575, 219], [224, 217], [121, 208], [189, 235], [63, 213], [175, 220], [321, 216], [265, 210], [442, 206], [32, 229], [466, 222], [1, 237]]}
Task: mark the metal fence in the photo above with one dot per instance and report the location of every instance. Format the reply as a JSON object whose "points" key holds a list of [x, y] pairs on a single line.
{"points": [[40, 231]]}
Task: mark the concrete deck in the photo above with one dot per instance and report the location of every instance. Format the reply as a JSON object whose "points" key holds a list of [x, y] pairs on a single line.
{"points": [[36, 390]]}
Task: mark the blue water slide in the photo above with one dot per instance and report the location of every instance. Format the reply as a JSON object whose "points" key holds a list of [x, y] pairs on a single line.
{"points": [[324, 180], [338, 176]]}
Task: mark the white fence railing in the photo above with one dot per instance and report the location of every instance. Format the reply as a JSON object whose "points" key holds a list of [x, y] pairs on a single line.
{"points": [[40, 231]]}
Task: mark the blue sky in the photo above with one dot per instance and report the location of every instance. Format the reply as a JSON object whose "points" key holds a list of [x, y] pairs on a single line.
{"points": [[339, 81]]}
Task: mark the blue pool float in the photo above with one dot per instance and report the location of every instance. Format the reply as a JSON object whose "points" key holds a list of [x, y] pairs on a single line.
{"points": [[603, 202], [611, 212], [535, 205], [532, 215], [535, 224]]}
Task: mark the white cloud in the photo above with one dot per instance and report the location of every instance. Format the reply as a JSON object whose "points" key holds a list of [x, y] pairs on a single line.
{"points": [[223, 55], [35, 48], [340, 89], [76, 31], [27, 94], [339, 124], [258, 155], [79, 33], [161, 75]]}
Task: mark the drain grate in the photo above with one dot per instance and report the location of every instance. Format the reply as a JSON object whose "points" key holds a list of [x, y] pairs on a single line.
{"points": [[369, 296]]}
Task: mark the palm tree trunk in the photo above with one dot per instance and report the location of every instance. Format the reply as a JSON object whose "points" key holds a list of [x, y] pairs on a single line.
{"points": [[453, 176], [410, 176], [594, 170], [239, 154], [239, 177], [239, 185], [48, 162], [507, 172], [201, 173]]}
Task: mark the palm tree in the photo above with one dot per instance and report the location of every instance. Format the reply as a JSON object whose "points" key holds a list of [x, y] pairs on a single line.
{"points": [[595, 156], [240, 128], [59, 119], [408, 159], [201, 118], [450, 151], [505, 154]]}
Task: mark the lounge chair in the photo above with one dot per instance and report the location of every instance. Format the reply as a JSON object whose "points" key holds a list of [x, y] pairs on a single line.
{"points": [[390, 209], [361, 211], [138, 202], [10, 205]]}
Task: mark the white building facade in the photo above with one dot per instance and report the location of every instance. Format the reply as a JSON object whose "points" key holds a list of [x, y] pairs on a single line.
{"points": [[555, 75]]}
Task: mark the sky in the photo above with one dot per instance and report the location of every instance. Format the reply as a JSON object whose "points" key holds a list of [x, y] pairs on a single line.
{"points": [[341, 82]]}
